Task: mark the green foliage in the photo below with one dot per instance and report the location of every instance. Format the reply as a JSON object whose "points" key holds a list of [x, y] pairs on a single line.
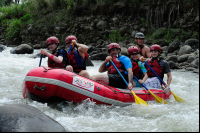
{"points": [[195, 35], [115, 36], [26, 18], [14, 29], [144, 23]]}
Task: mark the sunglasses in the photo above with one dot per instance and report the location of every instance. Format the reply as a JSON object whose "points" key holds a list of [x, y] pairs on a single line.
{"points": [[68, 43], [50, 44], [135, 54]]}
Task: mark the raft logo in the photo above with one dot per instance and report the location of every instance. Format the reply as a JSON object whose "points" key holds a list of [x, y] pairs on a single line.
{"points": [[84, 83]]}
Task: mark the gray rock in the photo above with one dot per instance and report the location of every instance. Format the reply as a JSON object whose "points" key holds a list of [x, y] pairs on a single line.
{"points": [[102, 24], [173, 58], [196, 19], [133, 33], [196, 62], [174, 45], [190, 69], [25, 118], [183, 58], [124, 30], [22, 49], [2, 47], [190, 59], [37, 46], [192, 42], [116, 20], [99, 56], [196, 71], [173, 65], [185, 50], [124, 51]]}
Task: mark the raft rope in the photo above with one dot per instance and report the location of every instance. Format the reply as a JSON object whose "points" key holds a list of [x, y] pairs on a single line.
{"points": [[115, 91]]}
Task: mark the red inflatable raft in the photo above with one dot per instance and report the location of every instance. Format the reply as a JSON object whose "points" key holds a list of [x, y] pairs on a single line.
{"points": [[46, 83]]}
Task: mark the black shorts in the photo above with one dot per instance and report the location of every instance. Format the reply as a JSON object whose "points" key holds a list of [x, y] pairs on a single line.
{"points": [[115, 80]]}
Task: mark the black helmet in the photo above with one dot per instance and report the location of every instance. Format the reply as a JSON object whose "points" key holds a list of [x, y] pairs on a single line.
{"points": [[139, 35]]}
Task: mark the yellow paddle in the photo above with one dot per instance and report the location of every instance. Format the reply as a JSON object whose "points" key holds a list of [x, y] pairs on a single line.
{"points": [[137, 99], [157, 98], [175, 96]]}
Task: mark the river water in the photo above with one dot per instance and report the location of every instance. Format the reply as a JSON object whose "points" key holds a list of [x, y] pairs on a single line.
{"points": [[87, 116]]}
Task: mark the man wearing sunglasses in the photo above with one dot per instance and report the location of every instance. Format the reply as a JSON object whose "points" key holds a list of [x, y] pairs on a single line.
{"points": [[58, 58], [79, 54], [139, 70], [144, 51]]}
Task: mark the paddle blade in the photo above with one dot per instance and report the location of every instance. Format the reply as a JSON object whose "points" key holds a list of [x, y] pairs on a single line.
{"points": [[157, 98], [177, 98], [139, 100]]}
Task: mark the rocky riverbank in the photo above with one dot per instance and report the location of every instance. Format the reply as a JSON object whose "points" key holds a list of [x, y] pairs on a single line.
{"points": [[172, 24]]}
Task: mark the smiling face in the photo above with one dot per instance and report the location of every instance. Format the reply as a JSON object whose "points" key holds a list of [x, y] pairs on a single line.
{"points": [[139, 41], [114, 52], [134, 56], [52, 46], [154, 54]]}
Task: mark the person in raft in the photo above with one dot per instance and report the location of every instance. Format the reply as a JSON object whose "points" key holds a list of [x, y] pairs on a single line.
{"points": [[160, 66], [113, 78], [58, 58], [139, 70], [143, 50], [79, 55]]}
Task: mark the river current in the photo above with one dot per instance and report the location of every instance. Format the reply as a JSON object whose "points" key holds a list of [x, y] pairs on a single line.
{"points": [[87, 116]]}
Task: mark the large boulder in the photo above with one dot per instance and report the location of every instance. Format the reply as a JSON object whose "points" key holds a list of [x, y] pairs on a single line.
{"points": [[2, 47], [185, 50], [174, 46], [183, 58], [99, 56], [22, 49], [192, 42], [25, 118]]}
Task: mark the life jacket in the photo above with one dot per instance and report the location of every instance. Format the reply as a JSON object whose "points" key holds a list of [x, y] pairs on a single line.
{"points": [[63, 64], [78, 63], [136, 69], [154, 64], [118, 64]]}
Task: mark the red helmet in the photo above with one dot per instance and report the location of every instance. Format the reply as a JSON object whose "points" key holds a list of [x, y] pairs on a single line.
{"points": [[70, 38], [51, 40], [133, 50], [156, 47], [113, 45]]}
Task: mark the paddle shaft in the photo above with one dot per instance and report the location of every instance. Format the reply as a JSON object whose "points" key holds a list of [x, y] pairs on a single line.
{"points": [[69, 48], [40, 60], [141, 84], [119, 72]]}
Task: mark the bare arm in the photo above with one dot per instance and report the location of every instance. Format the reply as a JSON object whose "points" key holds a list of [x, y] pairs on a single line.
{"points": [[169, 79], [103, 67], [58, 59], [82, 49], [145, 77], [130, 78]]}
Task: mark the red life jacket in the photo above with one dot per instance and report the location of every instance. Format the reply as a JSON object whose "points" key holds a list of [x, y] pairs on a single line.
{"points": [[118, 64], [153, 63], [78, 63], [136, 69], [63, 64]]}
